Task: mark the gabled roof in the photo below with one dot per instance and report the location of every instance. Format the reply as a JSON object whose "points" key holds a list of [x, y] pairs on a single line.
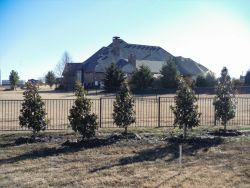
{"points": [[152, 56], [187, 66], [71, 68], [121, 63]]}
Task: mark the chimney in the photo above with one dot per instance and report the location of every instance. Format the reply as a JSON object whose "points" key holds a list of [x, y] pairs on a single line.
{"points": [[132, 60], [116, 46]]}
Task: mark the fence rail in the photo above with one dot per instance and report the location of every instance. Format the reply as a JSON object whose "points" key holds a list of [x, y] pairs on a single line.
{"points": [[150, 112]]}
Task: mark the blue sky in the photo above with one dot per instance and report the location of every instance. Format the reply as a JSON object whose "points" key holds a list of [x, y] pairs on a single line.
{"points": [[35, 33]]}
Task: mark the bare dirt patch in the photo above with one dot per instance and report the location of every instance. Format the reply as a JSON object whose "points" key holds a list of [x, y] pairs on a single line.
{"points": [[148, 161]]}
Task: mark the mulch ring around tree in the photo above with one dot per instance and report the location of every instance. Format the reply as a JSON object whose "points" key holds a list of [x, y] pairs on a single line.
{"points": [[227, 133], [98, 142], [36, 139]]}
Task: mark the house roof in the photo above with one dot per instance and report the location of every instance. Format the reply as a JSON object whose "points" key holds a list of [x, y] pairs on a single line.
{"points": [[71, 68], [152, 56]]}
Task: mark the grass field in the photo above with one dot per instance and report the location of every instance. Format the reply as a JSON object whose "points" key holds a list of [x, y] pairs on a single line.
{"points": [[151, 161]]}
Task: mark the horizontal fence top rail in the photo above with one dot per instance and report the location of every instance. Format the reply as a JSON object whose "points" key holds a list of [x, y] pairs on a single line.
{"points": [[136, 97], [150, 111]]}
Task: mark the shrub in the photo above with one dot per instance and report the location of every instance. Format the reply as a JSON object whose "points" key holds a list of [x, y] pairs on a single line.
{"points": [[123, 114], [81, 119], [33, 115], [185, 109]]}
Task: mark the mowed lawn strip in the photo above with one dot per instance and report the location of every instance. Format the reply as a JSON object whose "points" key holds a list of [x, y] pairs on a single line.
{"points": [[150, 160]]}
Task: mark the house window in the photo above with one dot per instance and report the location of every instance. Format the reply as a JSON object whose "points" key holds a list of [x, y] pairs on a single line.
{"points": [[79, 75]]}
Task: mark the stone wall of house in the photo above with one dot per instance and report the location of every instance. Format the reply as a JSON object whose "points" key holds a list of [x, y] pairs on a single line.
{"points": [[69, 82], [91, 77]]}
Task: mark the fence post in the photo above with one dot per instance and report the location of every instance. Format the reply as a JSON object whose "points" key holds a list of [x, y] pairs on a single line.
{"points": [[159, 111], [214, 119], [100, 113]]}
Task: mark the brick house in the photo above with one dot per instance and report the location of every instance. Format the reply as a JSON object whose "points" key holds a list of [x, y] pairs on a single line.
{"points": [[128, 57]]}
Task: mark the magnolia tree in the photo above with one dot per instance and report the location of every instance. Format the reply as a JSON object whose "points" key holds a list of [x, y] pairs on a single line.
{"points": [[33, 115], [224, 101], [124, 114], [185, 109], [81, 119]]}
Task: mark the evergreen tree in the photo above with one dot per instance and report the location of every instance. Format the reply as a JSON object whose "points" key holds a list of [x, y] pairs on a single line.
{"points": [[81, 119], [14, 79], [142, 78], [185, 110], [247, 78], [169, 73], [79, 89], [201, 81], [224, 101], [238, 82], [123, 114], [211, 80], [33, 115], [50, 78], [113, 78], [205, 81]]}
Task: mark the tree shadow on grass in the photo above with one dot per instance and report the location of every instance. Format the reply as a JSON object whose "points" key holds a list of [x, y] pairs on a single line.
{"points": [[171, 150], [67, 147]]}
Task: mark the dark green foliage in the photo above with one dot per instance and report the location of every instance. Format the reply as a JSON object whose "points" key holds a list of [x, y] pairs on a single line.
{"points": [[238, 82], [142, 78], [124, 114], [201, 81], [33, 115], [81, 119], [185, 110], [79, 90], [224, 101], [169, 73], [14, 79], [205, 81], [247, 78], [211, 80], [156, 83], [113, 78], [50, 78]]}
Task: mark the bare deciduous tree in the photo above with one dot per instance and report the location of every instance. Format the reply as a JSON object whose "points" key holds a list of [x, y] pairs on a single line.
{"points": [[66, 58]]}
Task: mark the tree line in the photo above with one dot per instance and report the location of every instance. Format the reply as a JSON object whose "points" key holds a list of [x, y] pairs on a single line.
{"points": [[82, 121], [143, 78]]}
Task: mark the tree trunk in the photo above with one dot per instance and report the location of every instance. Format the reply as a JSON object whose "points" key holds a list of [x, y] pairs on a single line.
{"points": [[225, 127], [185, 132], [34, 134], [126, 130]]}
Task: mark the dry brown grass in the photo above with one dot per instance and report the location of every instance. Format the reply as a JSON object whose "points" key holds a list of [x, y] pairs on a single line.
{"points": [[150, 162]]}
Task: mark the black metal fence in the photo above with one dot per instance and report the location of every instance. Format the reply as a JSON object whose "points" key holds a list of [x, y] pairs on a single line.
{"points": [[150, 112]]}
